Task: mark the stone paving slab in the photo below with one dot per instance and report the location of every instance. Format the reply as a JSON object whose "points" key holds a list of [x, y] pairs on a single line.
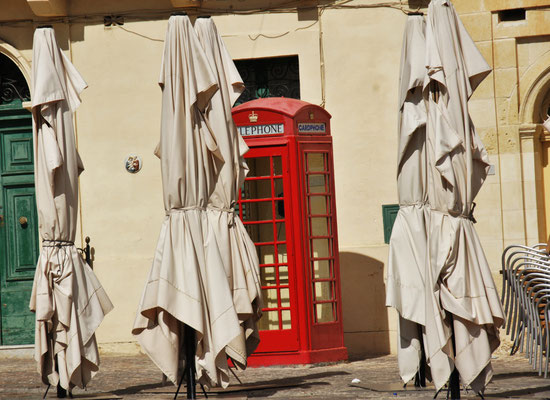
{"points": [[136, 377]]}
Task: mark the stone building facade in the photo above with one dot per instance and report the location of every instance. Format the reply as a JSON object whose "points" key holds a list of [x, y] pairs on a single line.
{"points": [[348, 53]]}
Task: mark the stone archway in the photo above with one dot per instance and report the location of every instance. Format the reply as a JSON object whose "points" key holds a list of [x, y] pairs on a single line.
{"points": [[534, 148]]}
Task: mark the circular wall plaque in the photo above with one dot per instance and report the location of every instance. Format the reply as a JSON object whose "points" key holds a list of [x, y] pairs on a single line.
{"points": [[133, 164]]}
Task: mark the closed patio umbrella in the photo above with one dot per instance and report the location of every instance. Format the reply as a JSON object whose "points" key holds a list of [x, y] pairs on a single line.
{"points": [[67, 298], [407, 253], [463, 309], [187, 284], [239, 252]]}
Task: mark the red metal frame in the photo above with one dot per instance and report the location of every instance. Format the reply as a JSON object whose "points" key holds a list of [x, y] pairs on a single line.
{"points": [[309, 339]]}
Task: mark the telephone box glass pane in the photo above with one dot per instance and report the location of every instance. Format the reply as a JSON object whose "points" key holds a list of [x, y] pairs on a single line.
{"points": [[258, 166], [325, 312], [260, 233], [281, 250], [316, 162], [277, 166], [285, 317], [318, 205], [283, 275], [257, 189], [279, 192], [268, 276], [270, 298], [320, 248], [266, 254], [317, 184], [281, 232], [285, 298], [322, 269], [320, 226], [323, 291], [269, 321], [260, 211]]}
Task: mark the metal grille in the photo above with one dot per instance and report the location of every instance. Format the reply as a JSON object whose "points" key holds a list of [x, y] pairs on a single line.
{"points": [[13, 85], [269, 77]]}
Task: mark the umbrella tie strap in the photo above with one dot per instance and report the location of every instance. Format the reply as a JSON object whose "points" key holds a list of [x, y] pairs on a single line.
{"points": [[417, 203], [230, 210], [56, 243], [62, 256], [469, 216]]}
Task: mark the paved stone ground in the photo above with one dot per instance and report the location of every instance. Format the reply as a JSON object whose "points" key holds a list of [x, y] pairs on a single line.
{"points": [[136, 377]]}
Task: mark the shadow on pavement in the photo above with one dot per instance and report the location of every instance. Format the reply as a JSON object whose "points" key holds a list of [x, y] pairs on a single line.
{"points": [[139, 388], [518, 392], [252, 389], [511, 375]]}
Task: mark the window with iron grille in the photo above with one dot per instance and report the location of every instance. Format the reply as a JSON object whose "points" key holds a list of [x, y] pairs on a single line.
{"points": [[269, 77], [12, 83]]}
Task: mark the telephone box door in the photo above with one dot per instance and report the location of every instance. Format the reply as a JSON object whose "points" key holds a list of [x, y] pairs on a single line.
{"points": [[265, 211]]}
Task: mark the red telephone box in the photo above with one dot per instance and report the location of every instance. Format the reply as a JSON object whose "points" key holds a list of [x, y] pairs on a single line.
{"points": [[287, 205]]}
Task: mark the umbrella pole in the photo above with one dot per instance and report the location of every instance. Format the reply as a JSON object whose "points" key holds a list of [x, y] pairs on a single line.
{"points": [[189, 371], [454, 384], [454, 379], [189, 343], [420, 377], [61, 392], [47, 389]]}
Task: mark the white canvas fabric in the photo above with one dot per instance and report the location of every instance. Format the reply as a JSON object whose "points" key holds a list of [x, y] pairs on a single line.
{"points": [[407, 253], [461, 298], [187, 283], [239, 253], [67, 297]]}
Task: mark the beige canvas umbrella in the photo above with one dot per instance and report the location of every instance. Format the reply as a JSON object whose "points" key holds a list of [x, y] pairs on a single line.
{"points": [[239, 253], [407, 253], [67, 298], [462, 305], [187, 284]]}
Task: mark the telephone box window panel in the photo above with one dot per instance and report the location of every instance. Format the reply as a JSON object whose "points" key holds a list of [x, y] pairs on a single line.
{"points": [[269, 77], [287, 204]]}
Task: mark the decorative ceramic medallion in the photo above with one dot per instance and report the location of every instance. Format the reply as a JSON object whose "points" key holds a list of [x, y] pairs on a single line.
{"points": [[133, 164]]}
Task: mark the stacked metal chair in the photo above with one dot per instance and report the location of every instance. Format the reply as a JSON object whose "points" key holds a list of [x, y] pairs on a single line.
{"points": [[526, 300]]}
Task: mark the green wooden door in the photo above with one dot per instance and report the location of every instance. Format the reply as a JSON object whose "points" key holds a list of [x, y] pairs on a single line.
{"points": [[18, 225]]}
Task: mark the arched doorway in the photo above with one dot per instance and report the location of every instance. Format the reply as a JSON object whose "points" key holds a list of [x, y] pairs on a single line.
{"points": [[18, 216], [544, 137]]}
